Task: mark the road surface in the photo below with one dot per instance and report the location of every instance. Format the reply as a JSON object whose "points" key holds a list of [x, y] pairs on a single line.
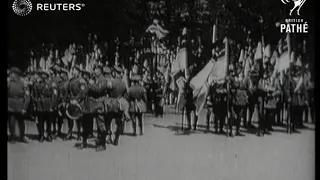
{"points": [[164, 153]]}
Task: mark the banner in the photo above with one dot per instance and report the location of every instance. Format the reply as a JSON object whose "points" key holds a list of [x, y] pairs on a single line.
{"points": [[199, 80], [180, 62], [258, 54], [218, 73]]}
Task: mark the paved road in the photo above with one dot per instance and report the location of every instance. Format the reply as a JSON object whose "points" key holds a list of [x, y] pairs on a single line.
{"points": [[163, 153]]}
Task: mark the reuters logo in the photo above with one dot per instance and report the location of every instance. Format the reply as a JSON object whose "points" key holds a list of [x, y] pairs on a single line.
{"points": [[22, 7]]}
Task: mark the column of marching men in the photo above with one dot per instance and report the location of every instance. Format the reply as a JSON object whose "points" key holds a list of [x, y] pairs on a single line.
{"points": [[54, 89]]}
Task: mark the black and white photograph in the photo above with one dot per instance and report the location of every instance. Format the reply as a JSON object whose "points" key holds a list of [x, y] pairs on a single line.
{"points": [[161, 90]]}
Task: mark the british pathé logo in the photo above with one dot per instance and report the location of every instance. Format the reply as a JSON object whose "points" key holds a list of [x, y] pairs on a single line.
{"points": [[24, 7], [297, 4], [297, 25]]}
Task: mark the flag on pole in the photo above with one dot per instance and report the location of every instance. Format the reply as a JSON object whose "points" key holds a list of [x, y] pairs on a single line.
{"points": [[158, 30], [213, 72], [180, 63], [258, 54], [241, 57]]}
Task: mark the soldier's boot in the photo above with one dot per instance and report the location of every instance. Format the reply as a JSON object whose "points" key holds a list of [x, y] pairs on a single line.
{"points": [[238, 130], [116, 139], [221, 125], [230, 134], [102, 143], [221, 131], [294, 128], [84, 143], [108, 138], [207, 122], [78, 136], [23, 139], [11, 140], [22, 135], [140, 124], [216, 128], [69, 136], [134, 127], [41, 139]]}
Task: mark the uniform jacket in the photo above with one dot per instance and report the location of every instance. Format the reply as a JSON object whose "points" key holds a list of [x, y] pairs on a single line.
{"points": [[137, 96], [299, 97], [18, 96], [45, 98]]}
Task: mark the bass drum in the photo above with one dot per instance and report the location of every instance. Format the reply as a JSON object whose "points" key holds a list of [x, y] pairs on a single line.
{"points": [[73, 111]]}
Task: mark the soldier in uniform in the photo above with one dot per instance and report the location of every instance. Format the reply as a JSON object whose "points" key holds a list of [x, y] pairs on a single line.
{"points": [[137, 96], [75, 93], [210, 99], [271, 91], [62, 82], [220, 106], [297, 97], [97, 90], [45, 104], [116, 90], [18, 103]]}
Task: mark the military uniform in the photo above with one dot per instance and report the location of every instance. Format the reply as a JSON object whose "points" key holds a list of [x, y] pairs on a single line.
{"points": [[272, 92], [18, 103], [137, 96], [297, 98], [46, 103], [239, 101], [96, 92], [76, 92]]}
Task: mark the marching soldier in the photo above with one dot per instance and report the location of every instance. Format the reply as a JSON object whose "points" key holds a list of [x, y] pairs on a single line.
{"points": [[117, 89], [18, 103], [137, 97]]}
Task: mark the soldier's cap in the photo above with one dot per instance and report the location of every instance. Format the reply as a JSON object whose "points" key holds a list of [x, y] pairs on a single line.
{"points": [[107, 70], [136, 78], [46, 73], [15, 70], [118, 69], [55, 68]]}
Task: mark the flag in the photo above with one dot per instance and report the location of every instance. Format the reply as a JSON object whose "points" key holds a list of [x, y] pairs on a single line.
{"points": [[283, 62], [220, 69], [247, 67], [158, 30], [199, 80], [212, 72], [201, 98], [241, 57], [180, 63], [258, 54], [42, 63]]}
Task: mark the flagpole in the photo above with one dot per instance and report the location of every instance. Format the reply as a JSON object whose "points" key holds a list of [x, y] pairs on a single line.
{"points": [[289, 76]]}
